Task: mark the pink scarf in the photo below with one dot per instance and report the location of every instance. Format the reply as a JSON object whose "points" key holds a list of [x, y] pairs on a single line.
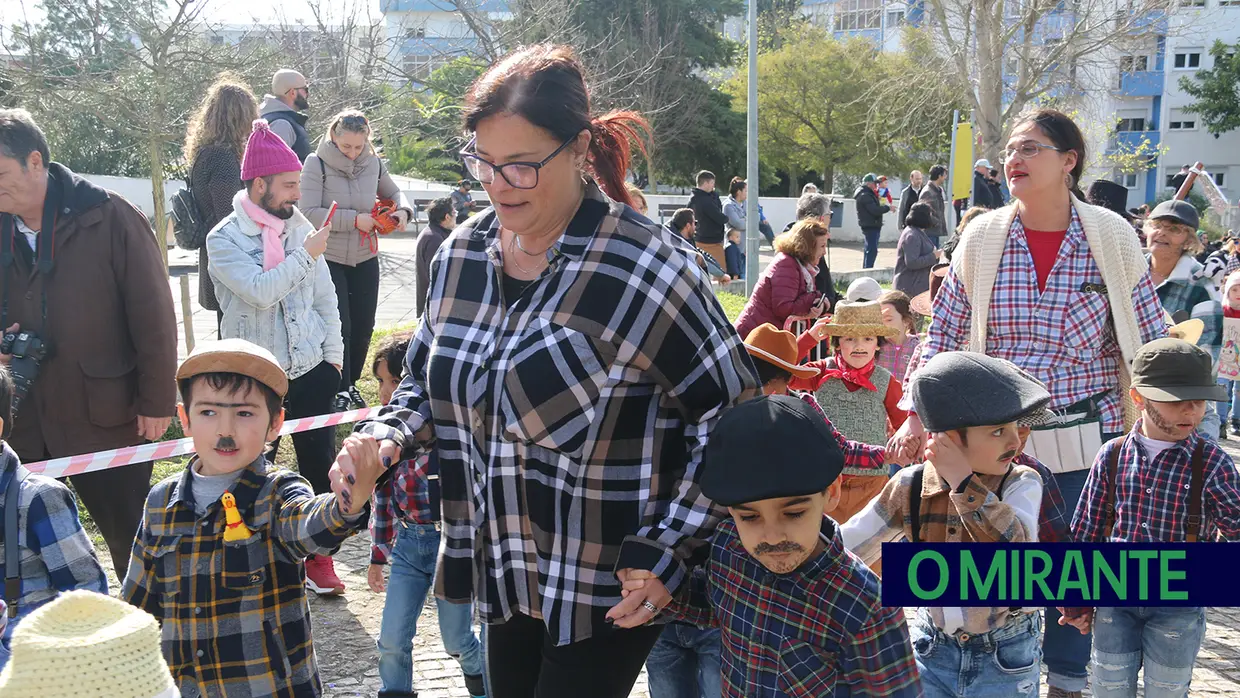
{"points": [[271, 227]]}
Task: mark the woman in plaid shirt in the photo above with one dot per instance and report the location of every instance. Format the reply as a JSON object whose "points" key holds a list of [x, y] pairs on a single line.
{"points": [[1060, 288], [572, 362]]}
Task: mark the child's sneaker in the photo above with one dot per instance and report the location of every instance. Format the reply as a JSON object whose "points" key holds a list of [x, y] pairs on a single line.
{"points": [[355, 398], [321, 576], [1235, 427], [340, 403]]}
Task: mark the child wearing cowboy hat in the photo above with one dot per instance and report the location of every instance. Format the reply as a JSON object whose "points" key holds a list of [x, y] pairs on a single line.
{"points": [[860, 396], [799, 614], [970, 490]]}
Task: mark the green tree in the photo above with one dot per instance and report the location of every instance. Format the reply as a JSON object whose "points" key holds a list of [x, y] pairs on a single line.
{"points": [[414, 157], [1216, 90]]}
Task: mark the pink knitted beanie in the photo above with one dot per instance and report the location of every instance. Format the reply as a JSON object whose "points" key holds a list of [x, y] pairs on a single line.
{"points": [[267, 154]]}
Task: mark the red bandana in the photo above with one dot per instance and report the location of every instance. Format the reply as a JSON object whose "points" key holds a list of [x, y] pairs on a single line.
{"points": [[854, 378]]}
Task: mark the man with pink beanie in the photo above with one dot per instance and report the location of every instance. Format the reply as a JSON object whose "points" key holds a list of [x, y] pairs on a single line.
{"points": [[275, 290]]}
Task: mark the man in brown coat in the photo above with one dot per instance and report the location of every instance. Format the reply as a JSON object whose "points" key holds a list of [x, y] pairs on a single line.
{"points": [[80, 268]]}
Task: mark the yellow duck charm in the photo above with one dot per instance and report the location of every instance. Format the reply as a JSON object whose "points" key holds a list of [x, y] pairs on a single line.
{"points": [[234, 528]]}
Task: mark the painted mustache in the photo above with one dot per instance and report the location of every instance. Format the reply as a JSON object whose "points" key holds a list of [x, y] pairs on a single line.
{"points": [[1007, 455], [784, 547], [226, 443]]}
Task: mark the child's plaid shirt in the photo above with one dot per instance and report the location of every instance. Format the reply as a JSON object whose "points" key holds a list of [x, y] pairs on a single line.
{"points": [[1151, 494], [235, 618], [405, 496], [972, 514], [818, 631]]}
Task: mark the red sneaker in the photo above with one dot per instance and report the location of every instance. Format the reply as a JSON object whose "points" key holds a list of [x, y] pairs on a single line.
{"points": [[321, 576]]}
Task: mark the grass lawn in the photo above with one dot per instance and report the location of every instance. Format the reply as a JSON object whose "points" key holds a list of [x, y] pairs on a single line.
{"points": [[369, 387]]}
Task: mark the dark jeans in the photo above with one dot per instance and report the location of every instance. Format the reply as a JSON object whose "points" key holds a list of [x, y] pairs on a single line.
{"points": [[871, 246], [685, 663], [522, 662], [310, 395], [115, 499], [1064, 649], [357, 294]]}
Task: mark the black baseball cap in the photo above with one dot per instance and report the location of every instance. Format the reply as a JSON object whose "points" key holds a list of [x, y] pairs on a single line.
{"points": [[1172, 370], [771, 447], [1180, 211]]}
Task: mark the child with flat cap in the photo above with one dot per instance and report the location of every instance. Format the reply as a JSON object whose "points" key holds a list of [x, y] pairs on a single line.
{"points": [[968, 491], [219, 556], [800, 615], [1160, 483]]}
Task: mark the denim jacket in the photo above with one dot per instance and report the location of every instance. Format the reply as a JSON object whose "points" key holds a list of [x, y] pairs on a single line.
{"points": [[290, 310]]}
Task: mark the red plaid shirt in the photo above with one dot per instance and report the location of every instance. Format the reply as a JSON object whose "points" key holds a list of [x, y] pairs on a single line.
{"points": [[1063, 336], [1054, 517], [404, 496], [1151, 496]]}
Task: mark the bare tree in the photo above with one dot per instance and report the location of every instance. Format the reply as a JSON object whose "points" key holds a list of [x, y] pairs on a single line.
{"points": [[1004, 55]]}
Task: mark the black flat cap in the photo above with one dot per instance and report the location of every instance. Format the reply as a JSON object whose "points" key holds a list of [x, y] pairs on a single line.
{"points": [[771, 447], [962, 389]]}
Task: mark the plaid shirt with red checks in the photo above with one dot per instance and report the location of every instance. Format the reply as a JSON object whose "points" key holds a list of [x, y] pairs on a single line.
{"points": [[820, 630], [403, 497], [1063, 336], [1151, 495], [1055, 516]]}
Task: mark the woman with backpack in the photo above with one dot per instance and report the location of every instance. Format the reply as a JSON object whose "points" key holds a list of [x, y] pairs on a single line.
{"points": [[214, 143], [346, 170]]}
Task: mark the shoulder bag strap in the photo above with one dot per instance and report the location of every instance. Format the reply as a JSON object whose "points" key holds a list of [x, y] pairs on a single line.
{"points": [[12, 553], [1112, 474], [1194, 492], [914, 503]]}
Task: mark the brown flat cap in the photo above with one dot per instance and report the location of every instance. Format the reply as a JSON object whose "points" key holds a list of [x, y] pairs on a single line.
{"points": [[236, 356]]}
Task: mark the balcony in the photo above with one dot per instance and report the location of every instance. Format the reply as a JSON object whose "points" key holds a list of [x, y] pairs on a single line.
{"points": [[1142, 83], [1129, 141]]}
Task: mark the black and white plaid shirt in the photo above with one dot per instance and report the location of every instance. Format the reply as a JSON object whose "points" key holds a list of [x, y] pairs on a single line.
{"points": [[570, 422]]}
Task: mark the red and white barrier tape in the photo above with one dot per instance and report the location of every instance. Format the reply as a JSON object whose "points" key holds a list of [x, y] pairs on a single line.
{"points": [[102, 460]]}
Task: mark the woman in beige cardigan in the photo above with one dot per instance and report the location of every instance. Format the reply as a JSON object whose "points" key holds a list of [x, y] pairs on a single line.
{"points": [[345, 169], [1060, 288]]}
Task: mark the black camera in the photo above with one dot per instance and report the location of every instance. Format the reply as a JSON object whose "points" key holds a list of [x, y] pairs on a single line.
{"points": [[26, 352]]}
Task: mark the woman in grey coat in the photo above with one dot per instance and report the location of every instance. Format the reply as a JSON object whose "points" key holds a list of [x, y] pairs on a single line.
{"points": [[915, 253], [345, 169]]}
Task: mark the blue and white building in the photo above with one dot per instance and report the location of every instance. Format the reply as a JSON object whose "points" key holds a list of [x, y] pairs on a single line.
{"points": [[426, 34]]}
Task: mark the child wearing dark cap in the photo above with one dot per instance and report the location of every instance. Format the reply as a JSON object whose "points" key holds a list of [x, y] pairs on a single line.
{"points": [[219, 558], [1166, 484], [799, 614], [969, 491]]}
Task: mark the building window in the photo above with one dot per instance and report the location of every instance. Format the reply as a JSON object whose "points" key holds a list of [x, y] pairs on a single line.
{"points": [[1192, 3], [1131, 124], [819, 14], [852, 15], [1182, 125], [1229, 3], [1134, 64], [1219, 177], [418, 68], [415, 33], [217, 40], [1188, 60], [895, 18], [1128, 180]]}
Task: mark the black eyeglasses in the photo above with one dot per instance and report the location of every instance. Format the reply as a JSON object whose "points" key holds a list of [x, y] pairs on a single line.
{"points": [[520, 175]]}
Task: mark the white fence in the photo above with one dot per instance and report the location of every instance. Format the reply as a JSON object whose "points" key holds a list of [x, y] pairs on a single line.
{"points": [[779, 210]]}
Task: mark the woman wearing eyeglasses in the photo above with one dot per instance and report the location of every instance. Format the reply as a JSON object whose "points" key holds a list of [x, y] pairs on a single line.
{"points": [[345, 169], [574, 361], [1060, 288]]}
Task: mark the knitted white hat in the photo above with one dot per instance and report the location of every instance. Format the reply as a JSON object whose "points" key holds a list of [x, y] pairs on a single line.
{"points": [[90, 645]]}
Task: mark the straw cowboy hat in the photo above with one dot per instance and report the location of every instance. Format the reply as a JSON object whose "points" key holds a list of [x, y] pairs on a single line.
{"points": [[775, 346], [1190, 330], [923, 302], [857, 320], [87, 644]]}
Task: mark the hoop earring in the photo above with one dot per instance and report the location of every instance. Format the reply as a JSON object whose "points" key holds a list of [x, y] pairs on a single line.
{"points": [[1069, 180]]}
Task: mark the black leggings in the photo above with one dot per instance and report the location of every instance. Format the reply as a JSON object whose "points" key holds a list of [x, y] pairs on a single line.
{"points": [[310, 395], [522, 661], [357, 296]]}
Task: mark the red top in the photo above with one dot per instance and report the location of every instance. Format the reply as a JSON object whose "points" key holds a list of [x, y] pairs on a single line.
{"points": [[1044, 248], [1229, 311]]}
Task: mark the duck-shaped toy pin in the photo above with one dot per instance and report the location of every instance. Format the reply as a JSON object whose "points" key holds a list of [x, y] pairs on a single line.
{"points": [[234, 528]]}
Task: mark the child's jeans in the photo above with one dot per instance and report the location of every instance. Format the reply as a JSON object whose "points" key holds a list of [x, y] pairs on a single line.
{"points": [[1230, 406], [684, 663], [1163, 640], [410, 579], [1002, 663]]}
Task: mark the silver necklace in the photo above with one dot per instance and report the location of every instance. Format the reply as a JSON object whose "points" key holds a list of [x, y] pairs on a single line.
{"points": [[517, 240]]}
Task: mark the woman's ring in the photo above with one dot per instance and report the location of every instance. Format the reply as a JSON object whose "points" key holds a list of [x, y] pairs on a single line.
{"points": [[650, 607]]}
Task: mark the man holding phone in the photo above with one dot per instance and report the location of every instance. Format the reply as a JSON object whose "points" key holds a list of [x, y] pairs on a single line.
{"points": [[275, 290]]}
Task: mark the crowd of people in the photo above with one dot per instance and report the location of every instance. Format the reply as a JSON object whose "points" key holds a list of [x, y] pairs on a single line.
{"points": [[577, 446]]}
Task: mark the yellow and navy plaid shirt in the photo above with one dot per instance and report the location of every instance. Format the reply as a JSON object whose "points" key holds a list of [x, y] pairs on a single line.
{"points": [[235, 618]]}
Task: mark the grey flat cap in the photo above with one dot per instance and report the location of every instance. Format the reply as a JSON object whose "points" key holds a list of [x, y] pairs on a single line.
{"points": [[961, 389]]}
